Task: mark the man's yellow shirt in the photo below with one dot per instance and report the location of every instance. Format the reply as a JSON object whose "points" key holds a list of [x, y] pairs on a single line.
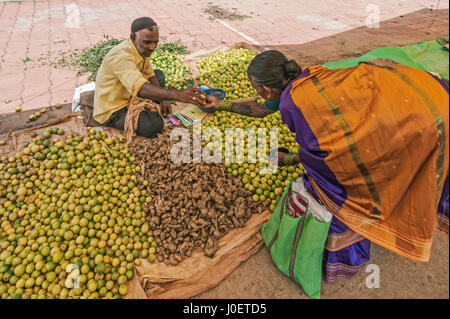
{"points": [[119, 78]]}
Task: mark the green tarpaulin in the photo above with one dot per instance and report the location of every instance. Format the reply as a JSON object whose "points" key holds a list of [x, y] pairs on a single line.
{"points": [[429, 56]]}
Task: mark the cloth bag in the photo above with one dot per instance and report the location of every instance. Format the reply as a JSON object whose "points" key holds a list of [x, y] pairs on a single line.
{"points": [[295, 235]]}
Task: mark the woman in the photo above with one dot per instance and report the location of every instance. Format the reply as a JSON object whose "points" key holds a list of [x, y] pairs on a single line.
{"points": [[374, 144]]}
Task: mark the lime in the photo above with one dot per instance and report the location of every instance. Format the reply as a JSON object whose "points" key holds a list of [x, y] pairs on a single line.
{"points": [[129, 274], [19, 270], [92, 285], [100, 268], [123, 290]]}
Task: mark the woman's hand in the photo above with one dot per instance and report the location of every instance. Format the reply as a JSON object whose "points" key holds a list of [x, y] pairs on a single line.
{"points": [[281, 155], [285, 158], [212, 102]]}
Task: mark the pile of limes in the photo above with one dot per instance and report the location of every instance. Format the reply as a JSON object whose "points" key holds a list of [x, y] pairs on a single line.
{"points": [[71, 223], [266, 187], [178, 75], [228, 71]]}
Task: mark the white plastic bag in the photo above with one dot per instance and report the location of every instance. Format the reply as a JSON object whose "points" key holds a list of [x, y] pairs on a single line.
{"points": [[76, 107], [314, 208]]}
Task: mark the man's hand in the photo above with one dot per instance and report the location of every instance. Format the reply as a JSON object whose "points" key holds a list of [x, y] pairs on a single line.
{"points": [[165, 108], [192, 95], [212, 102]]}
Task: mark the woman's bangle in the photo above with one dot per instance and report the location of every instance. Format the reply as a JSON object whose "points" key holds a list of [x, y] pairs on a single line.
{"points": [[224, 106]]}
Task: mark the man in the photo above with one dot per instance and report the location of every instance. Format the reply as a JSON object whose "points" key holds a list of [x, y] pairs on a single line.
{"points": [[126, 77]]}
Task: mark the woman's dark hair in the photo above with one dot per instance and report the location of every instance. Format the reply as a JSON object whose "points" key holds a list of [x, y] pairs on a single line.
{"points": [[273, 69]]}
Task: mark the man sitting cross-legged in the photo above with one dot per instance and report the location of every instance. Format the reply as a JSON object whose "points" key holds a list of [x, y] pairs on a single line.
{"points": [[126, 79]]}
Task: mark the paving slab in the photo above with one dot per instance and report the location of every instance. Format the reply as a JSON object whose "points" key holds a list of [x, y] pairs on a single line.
{"points": [[31, 29]]}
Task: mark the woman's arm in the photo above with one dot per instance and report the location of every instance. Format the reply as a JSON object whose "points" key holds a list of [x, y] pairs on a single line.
{"points": [[253, 109]]}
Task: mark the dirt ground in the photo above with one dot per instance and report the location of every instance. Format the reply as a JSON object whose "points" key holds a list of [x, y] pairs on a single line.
{"points": [[218, 12], [258, 278]]}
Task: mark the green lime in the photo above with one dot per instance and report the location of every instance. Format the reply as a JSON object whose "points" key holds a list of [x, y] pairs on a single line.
{"points": [[123, 290], [100, 268], [92, 285], [129, 274], [19, 270]]}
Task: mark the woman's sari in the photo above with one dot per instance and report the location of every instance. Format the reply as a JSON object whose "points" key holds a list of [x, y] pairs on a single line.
{"points": [[374, 143]]}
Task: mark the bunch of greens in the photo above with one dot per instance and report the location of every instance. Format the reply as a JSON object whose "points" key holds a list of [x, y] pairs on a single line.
{"points": [[167, 57], [90, 59]]}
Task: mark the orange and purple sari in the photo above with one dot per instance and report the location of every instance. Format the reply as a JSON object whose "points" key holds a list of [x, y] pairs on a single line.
{"points": [[374, 144]]}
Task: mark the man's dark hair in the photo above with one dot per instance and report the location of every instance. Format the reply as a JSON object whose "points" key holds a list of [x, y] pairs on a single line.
{"points": [[143, 23]]}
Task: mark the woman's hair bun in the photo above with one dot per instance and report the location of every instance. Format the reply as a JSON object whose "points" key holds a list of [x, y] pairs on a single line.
{"points": [[292, 68]]}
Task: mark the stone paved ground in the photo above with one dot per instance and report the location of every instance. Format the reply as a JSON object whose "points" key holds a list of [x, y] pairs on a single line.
{"points": [[30, 29]]}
